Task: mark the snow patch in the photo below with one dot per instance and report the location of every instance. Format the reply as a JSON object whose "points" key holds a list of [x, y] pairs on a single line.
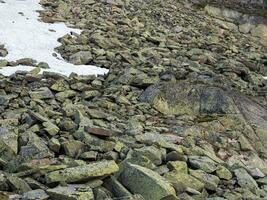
{"points": [[26, 37]]}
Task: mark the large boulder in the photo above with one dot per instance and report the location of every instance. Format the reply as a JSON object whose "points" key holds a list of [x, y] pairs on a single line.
{"points": [[201, 103], [141, 180]]}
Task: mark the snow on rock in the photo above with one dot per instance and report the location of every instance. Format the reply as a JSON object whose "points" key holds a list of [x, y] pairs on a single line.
{"points": [[25, 36]]}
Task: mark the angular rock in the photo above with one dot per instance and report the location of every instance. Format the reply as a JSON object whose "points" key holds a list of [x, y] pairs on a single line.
{"points": [[203, 163], [85, 172], [211, 182], [150, 184], [18, 185], [245, 180], [223, 173], [35, 194], [71, 192], [81, 58], [8, 144], [182, 181], [73, 147], [99, 131]]}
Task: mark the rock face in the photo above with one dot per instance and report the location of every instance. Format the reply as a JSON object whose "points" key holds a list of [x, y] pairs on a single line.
{"points": [[201, 102]]}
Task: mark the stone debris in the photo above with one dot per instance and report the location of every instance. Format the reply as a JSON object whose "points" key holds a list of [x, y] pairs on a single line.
{"points": [[180, 115]]}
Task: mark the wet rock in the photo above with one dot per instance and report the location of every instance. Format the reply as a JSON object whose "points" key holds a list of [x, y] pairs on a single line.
{"points": [[150, 184], [73, 192], [86, 172]]}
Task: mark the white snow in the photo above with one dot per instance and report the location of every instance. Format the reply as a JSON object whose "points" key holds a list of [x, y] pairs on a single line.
{"points": [[24, 36]]}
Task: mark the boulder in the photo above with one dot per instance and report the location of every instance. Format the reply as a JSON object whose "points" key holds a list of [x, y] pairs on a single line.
{"points": [[140, 180], [71, 192], [85, 172]]}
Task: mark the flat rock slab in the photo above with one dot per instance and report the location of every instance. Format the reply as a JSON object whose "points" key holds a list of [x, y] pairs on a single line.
{"points": [[82, 173], [71, 192], [141, 180]]}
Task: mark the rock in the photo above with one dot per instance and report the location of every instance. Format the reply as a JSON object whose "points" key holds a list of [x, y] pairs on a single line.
{"points": [[60, 86], [3, 52], [72, 147], [203, 163], [3, 183], [245, 180], [43, 65], [90, 94], [42, 93], [50, 128], [99, 131], [150, 184], [26, 61], [116, 188], [244, 143], [80, 173], [89, 155], [31, 145], [188, 99], [178, 166], [223, 173], [62, 96], [154, 154], [211, 182], [182, 181], [81, 58], [72, 192], [18, 185], [8, 143], [54, 145], [3, 63], [35, 194]]}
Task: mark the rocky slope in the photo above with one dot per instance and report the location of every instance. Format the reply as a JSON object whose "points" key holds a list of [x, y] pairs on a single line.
{"points": [[181, 115]]}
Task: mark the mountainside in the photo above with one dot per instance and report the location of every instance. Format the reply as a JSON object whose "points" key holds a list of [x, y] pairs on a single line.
{"points": [[181, 114]]}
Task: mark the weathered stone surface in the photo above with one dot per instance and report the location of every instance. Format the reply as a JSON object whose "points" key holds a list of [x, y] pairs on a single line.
{"points": [[8, 143], [81, 58], [245, 180], [150, 184], [183, 181], [73, 147], [86, 172], [211, 182], [203, 163], [71, 192], [18, 184], [35, 194]]}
